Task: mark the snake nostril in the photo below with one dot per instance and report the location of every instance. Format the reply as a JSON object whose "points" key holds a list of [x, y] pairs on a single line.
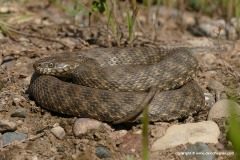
{"points": [[36, 65]]}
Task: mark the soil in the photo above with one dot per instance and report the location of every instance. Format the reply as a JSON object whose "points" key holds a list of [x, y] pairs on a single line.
{"points": [[39, 30]]}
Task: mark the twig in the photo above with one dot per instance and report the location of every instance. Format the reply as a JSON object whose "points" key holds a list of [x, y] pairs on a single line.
{"points": [[35, 36]]}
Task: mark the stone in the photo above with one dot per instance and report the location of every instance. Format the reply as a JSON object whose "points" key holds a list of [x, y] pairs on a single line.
{"points": [[118, 134], [59, 132], [9, 62], [83, 125], [200, 151], [61, 149], [206, 132], [221, 109], [103, 152], [210, 29], [6, 126], [209, 58], [131, 143], [13, 136], [19, 113], [209, 99], [19, 100], [216, 85], [16, 101]]}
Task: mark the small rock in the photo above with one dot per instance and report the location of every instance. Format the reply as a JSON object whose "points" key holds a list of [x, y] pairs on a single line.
{"points": [[56, 125], [206, 132], [58, 132], [209, 58], [61, 149], [118, 134], [19, 113], [216, 85], [70, 42], [131, 143], [222, 109], [34, 158], [18, 100], [103, 152], [6, 126], [210, 74], [207, 29], [9, 62], [209, 99], [82, 125], [19, 122], [200, 151], [13, 136]]}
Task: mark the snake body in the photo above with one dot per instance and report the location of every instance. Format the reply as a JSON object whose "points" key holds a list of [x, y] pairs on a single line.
{"points": [[110, 83]]}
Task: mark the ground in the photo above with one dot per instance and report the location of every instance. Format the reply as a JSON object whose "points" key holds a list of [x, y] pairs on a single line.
{"points": [[36, 29]]}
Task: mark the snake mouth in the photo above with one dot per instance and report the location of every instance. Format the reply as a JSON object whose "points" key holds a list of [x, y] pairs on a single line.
{"points": [[61, 72]]}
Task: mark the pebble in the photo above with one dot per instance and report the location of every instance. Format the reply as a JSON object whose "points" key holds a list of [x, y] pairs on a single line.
{"points": [[34, 158], [58, 132], [13, 136], [18, 100], [61, 149], [71, 43], [209, 58], [83, 125], [20, 112], [221, 109], [9, 62], [209, 99], [6, 126], [207, 29], [216, 85], [201, 150], [118, 134], [103, 152], [131, 143], [206, 132]]}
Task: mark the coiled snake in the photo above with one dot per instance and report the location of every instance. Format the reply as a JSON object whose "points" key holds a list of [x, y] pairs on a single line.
{"points": [[109, 84]]}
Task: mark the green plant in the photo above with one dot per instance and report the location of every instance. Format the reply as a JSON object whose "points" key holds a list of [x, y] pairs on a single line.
{"points": [[113, 24], [78, 6], [98, 6], [130, 23], [237, 14], [4, 27], [234, 130]]}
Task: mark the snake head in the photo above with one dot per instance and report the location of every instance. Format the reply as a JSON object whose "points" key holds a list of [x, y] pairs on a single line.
{"points": [[60, 65]]}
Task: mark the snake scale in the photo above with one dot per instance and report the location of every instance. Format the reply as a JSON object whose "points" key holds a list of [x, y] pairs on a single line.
{"points": [[109, 84]]}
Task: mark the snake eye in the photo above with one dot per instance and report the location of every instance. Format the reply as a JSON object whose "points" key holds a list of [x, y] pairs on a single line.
{"points": [[50, 65]]}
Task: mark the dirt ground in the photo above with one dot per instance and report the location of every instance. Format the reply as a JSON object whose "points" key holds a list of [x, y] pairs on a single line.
{"points": [[36, 29]]}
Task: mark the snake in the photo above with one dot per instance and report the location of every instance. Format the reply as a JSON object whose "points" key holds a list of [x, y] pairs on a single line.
{"points": [[109, 84]]}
